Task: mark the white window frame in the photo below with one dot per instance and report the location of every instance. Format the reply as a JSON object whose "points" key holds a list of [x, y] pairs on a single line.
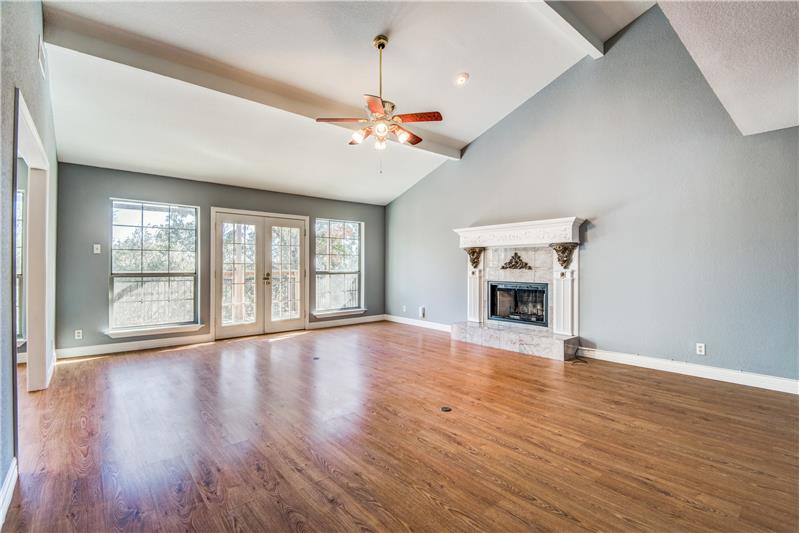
{"points": [[361, 309], [155, 329], [20, 249]]}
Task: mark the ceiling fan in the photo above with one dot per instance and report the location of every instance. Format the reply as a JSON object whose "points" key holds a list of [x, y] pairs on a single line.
{"points": [[381, 123]]}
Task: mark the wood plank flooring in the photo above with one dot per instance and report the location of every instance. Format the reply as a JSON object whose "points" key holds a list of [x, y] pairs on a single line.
{"points": [[341, 430]]}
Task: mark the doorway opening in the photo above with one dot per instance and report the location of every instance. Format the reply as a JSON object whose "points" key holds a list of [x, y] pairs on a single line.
{"points": [[33, 267], [32, 327]]}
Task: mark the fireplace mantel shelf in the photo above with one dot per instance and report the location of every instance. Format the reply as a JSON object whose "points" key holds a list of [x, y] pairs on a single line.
{"points": [[521, 234]]}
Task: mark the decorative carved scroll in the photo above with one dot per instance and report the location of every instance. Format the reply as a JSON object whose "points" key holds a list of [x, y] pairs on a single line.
{"points": [[515, 263], [564, 252], [475, 256]]}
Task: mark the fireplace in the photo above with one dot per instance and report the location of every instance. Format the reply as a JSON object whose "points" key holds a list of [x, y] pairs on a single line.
{"points": [[523, 303]]}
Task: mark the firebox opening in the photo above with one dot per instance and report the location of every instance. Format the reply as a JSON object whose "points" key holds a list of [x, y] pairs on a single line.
{"points": [[518, 302]]}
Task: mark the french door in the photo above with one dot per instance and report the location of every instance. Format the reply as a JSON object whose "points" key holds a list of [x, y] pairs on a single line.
{"points": [[259, 274]]}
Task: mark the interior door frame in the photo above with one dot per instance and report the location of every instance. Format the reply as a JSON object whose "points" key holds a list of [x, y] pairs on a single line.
{"points": [[213, 278], [40, 274]]}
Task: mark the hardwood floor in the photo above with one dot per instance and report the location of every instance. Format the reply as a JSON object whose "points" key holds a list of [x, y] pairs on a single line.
{"points": [[341, 430]]}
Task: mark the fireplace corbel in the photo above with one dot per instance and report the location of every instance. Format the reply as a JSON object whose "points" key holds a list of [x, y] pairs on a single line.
{"points": [[475, 256], [563, 252]]}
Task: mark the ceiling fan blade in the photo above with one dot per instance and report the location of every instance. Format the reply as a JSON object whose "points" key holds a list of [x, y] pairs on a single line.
{"points": [[374, 104], [410, 138], [429, 116], [367, 133], [341, 120]]}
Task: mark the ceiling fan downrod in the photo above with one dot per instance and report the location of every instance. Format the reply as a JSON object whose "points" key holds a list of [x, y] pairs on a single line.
{"points": [[380, 43]]}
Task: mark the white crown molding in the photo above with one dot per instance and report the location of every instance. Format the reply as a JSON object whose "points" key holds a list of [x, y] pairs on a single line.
{"points": [[521, 234], [739, 377], [420, 323], [7, 491]]}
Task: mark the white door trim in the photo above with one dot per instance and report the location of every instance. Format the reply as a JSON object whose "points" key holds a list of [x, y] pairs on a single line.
{"points": [[212, 294], [7, 490], [257, 326], [40, 272]]}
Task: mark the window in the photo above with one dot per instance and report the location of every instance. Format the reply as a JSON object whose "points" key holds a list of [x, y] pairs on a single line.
{"points": [[153, 265], [338, 264], [19, 225]]}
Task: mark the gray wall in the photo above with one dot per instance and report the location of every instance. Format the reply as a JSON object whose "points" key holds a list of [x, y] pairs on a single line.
{"points": [[84, 216], [693, 232], [20, 27]]}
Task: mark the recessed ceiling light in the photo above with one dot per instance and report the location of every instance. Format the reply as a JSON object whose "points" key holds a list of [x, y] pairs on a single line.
{"points": [[462, 79]]}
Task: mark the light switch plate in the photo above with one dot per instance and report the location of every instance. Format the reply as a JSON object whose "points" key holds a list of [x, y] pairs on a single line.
{"points": [[97, 249]]}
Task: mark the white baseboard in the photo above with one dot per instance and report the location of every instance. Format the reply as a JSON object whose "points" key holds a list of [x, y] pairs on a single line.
{"points": [[7, 491], [345, 321], [692, 369], [22, 357], [421, 323], [116, 347]]}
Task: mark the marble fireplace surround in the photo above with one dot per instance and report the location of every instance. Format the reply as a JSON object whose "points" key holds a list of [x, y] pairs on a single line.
{"points": [[547, 252]]}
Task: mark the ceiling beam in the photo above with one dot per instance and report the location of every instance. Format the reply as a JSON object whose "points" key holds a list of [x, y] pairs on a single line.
{"points": [[68, 31], [573, 28]]}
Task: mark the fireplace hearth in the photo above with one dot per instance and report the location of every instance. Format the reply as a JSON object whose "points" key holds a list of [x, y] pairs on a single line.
{"points": [[522, 303]]}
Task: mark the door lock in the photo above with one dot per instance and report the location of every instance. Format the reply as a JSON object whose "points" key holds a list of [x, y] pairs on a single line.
{"points": [[267, 278]]}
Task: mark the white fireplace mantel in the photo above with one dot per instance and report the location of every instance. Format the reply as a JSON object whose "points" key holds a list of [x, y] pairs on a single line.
{"points": [[521, 234], [561, 272]]}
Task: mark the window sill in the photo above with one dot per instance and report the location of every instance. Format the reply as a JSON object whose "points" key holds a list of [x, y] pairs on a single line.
{"points": [[142, 332], [343, 312]]}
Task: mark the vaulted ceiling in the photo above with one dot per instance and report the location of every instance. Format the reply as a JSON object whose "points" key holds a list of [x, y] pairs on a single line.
{"points": [[747, 52], [227, 92]]}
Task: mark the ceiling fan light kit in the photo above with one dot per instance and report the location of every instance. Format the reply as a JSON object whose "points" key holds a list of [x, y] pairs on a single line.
{"points": [[381, 122]]}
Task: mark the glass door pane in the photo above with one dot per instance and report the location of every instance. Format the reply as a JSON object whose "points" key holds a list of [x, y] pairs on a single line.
{"points": [[239, 271], [239, 296], [286, 273]]}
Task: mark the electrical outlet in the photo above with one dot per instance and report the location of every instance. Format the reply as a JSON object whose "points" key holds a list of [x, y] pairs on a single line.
{"points": [[700, 348], [422, 311], [404, 308], [78, 334], [96, 249]]}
